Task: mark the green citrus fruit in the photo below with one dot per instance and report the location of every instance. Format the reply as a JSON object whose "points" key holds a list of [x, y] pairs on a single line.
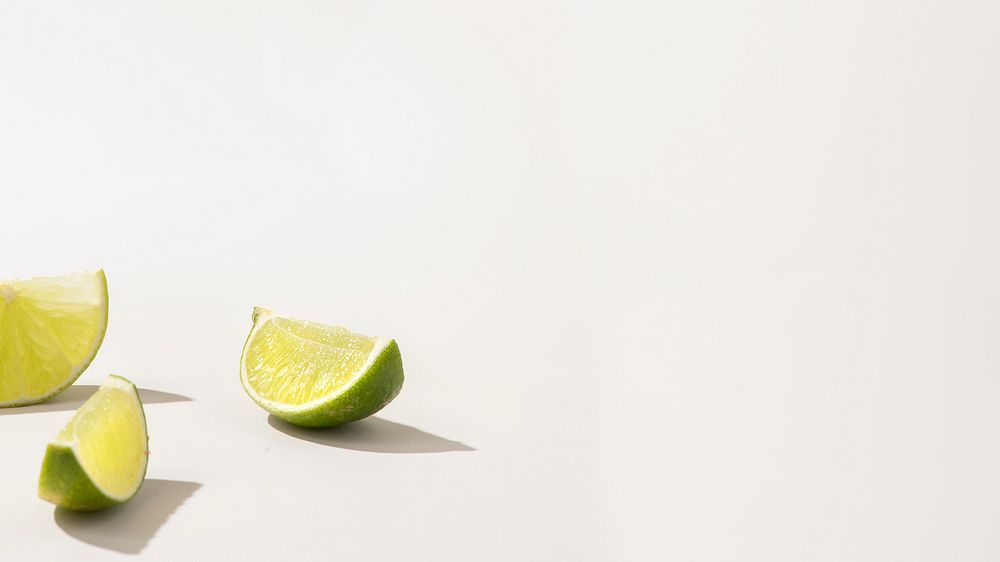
{"points": [[50, 331], [99, 458], [318, 376]]}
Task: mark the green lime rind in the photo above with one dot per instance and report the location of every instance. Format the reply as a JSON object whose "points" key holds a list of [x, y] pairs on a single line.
{"points": [[99, 340], [64, 481], [371, 392]]}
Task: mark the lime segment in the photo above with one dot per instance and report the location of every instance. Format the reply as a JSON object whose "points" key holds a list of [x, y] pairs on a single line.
{"points": [[316, 375], [99, 457], [50, 331]]}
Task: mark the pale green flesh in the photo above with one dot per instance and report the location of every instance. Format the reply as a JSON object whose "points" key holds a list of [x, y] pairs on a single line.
{"points": [[108, 433], [294, 362], [50, 330]]}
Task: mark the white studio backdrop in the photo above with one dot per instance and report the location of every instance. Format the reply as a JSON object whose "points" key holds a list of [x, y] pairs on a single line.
{"points": [[699, 281]]}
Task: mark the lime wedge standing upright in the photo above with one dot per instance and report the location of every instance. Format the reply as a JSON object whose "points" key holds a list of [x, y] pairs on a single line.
{"points": [[314, 375], [50, 331], [99, 458]]}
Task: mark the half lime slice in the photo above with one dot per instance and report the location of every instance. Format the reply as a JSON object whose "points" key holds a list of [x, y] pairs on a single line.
{"points": [[315, 375], [50, 331], [99, 458]]}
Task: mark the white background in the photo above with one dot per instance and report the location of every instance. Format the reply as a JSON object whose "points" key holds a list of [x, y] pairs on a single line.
{"points": [[695, 281]]}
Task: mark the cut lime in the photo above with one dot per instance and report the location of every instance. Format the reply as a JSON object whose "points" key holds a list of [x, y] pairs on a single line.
{"points": [[99, 458], [318, 376], [50, 331]]}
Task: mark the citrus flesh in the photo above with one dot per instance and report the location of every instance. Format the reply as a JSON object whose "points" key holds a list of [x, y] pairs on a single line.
{"points": [[50, 331], [315, 375], [99, 458]]}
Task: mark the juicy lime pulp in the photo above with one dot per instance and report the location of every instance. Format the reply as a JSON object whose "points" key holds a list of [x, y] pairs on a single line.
{"points": [[50, 331], [99, 457], [317, 375]]}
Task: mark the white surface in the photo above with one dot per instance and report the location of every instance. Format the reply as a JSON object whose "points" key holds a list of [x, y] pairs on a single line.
{"points": [[693, 280]]}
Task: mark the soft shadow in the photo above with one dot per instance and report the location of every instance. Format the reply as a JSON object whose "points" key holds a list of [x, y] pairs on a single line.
{"points": [[128, 528], [372, 434], [72, 397]]}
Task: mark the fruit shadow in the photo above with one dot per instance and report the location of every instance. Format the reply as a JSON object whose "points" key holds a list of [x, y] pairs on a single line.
{"points": [[374, 435], [128, 528], [72, 397]]}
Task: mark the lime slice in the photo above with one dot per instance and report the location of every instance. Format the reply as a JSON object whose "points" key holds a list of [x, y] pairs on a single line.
{"points": [[318, 376], [99, 458], [50, 331]]}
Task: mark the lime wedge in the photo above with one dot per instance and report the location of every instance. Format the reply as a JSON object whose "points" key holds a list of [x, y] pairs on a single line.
{"points": [[318, 376], [99, 458], [50, 331]]}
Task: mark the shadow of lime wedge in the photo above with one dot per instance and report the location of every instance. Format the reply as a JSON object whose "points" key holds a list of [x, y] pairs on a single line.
{"points": [[374, 435], [128, 528], [72, 397]]}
